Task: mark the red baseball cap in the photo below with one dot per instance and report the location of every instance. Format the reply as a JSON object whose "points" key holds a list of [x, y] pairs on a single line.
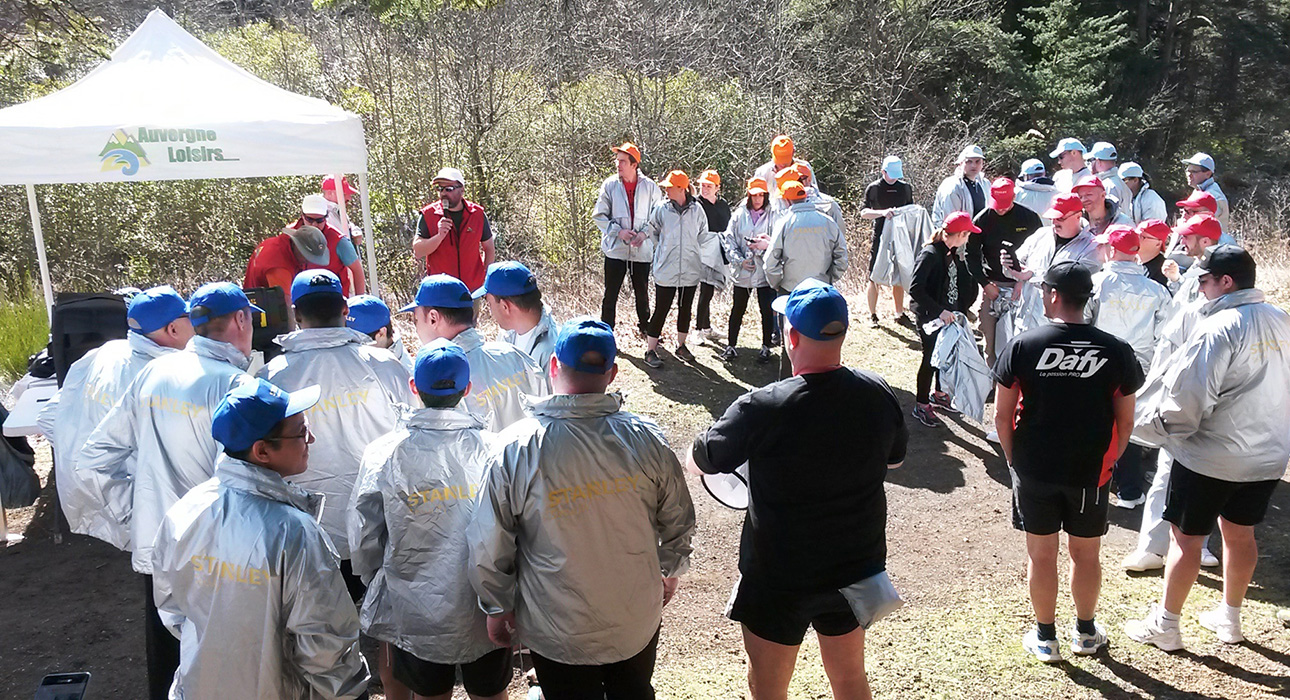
{"points": [[1089, 182], [960, 221], [1122, 238], [329, 183], [1202, 225], [1155, 228], [1002, 192], [1063, 205], [1199, 200]]}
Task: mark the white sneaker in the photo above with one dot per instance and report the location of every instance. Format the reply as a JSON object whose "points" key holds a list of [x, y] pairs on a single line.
{"points": [[1227, 631], [1049, 651], [1207, 558], [1142, 560], [1127, 503], [992, 436], [1152, 630], [1088, 644]]}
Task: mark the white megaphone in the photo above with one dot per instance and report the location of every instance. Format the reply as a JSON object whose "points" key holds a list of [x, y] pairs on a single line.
{"points": [[730, 490]]}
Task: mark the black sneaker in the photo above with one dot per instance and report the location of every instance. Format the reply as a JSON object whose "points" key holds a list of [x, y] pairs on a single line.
{"points": [[652, 359], [728, 355], [906, 321], [873, 321], [764, 356], [926, 415], [942, 402], [684, 353]]}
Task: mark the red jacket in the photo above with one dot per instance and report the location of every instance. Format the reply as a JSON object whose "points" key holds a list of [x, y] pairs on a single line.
{"points": [[278, 252], [459, 253]]}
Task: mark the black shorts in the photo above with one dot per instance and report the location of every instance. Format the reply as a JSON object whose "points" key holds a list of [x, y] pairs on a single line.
{"points": [[783, 616], [873, 246], [487, 675], [353, 582], [1041, 508], [1194, 501]]}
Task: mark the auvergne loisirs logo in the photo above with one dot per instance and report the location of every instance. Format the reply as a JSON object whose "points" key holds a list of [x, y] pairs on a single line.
{"points": [[125, 152]]}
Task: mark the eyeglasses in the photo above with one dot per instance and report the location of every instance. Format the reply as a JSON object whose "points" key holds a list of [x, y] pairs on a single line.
{"points": [[449, 188], [315, 219], [307, 436]]}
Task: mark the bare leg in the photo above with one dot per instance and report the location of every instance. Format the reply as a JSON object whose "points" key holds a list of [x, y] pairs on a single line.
{"points": [[898, 295], [1042, 575], [1181, 568], [394, 690], [1240, 555], [1086, 574], [873, 298], [843, 658], [770, 667]]}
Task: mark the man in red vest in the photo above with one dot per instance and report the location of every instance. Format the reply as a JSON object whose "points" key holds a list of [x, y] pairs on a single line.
{"points": [[453, 234], [306, 244]]}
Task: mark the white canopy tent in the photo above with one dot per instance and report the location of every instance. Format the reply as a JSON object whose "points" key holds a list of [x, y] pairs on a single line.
{"points": [[167, 107]]}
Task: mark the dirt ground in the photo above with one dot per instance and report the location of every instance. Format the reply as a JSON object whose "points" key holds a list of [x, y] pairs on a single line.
{"points": [[953, 556]]}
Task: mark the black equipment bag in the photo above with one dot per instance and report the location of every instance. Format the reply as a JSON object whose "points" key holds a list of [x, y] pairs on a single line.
{"points": [[83, 322]]}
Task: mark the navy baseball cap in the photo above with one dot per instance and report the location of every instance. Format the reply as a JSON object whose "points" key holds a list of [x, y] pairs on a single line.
{"points": [[155, 309], [586, 335], [218, 298], [1070, 277], [443, 291], [252, 409], [507, 279], [812, 307], [315, 282], [367, 314], [441, 369]]}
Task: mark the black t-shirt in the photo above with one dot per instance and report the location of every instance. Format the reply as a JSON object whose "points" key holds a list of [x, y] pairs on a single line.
{"points": [[456, 217], [983, 248], [718, 214], [1155, 270], [817, 448], [1069, 375], [977, 194], [881, 195]]}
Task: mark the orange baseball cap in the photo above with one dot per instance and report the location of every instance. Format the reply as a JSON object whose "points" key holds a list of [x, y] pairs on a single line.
{"points": [[792, 190], [630, 149], [781, 148], [797, 171], [676, 178], [1199, 200], [1154, 228], [711, 177], [757, 185]]}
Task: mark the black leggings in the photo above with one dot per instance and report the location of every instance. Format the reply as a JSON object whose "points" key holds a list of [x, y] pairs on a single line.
{"points": [[615, 271], [663, 297], [703, 316], [926, 373], [765, 295]]}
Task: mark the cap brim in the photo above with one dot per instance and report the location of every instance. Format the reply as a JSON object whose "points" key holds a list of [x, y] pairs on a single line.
{"points": [[895, 174], [1101, 239], [1057, 152], [758, 190], [302, 400], [479, 293], [407, 308], [254, 308], [780, 304]]}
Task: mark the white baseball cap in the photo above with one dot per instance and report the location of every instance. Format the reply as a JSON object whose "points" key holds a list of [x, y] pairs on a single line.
{"points": [[314, 205], [1203, 160], [1068, 144], [973, 151], [451, 175], [1103, 150], [1033, 166], [1130, 169]]}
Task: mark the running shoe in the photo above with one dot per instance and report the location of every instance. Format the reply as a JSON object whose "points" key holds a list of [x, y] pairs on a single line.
{"points": [[711, 336], [906, 321], [1088, 644], [992, 436], [652, 359], [1227, 631], [728, 355], [941, 401], [926, 415], [1142, 560], [684, 353], [1208, 559], [1048, 651], [873, 321], [1152, 630], [764, 356], [1127, 503]]}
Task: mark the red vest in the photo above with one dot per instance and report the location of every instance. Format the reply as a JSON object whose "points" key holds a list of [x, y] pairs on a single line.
{"points": [[459, 253], [278, 252]]}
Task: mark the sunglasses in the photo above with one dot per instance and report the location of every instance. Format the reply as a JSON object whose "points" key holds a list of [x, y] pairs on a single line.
{"points": [[307, 217], [449, 188]]}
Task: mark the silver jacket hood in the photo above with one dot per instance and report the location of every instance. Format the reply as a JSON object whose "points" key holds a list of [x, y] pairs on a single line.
{"points": [[611, 216], [363, 389], [92, 387], [1130, 306], [407, 535], [804, 243], [163, 422], [538, 344], [1222, 405], [1037, 197], [500, 375], [250, 584], [584, 507], [678, 234]]}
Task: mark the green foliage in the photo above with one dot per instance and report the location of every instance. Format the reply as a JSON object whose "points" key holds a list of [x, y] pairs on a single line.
{"points": [[24, 330]]}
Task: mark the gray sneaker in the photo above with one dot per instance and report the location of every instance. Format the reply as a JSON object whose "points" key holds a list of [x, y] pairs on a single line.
{"points": [[652, 359], [684, 353]]}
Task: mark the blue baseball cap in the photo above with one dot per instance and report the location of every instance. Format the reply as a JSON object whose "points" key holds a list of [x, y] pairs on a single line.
{"points": [[367, 314], [441, 369], [507, 279], [315, 282], [812, 307], [155, 309], [585, 335], [218, 298], [252, 409], [893, 166], [443, 291]]}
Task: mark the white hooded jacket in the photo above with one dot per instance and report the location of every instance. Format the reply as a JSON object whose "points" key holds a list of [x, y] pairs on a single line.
{"points": [[804, 243]]}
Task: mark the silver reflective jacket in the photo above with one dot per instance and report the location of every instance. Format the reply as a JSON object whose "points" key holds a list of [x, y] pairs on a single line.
{"points": [[612, 215], [678, 234], [407, 535], [500, 375], [163, 422], [740, 230], [1037, 197], [1147, 204], [538, 343], [1221, 406], [805, 243], [1116, 188], [1223, 213], [1039, 252], [953, 195], [400, 352], [1130, 306], [584, 507], [363, 390], [92, 387], [249, 583]]}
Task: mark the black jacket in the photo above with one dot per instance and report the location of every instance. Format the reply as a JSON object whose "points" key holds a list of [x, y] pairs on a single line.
{"points": [[929, 292]]}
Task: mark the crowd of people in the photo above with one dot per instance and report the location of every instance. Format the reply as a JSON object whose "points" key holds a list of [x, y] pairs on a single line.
{"points": [[482, 495]]}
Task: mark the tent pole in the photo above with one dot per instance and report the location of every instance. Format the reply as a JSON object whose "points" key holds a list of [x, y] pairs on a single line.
{"points": [[40, 251], [373, 287]]}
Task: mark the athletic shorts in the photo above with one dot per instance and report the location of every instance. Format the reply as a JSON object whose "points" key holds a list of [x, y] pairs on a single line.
{"points": [[783, 616], [1194, 501], [1041, 508], [487, 675], [873, 247], [353, 583]]}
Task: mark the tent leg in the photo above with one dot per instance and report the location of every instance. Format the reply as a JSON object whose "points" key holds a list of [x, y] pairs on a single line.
{"points": [[373, 286], [40, 252]]}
